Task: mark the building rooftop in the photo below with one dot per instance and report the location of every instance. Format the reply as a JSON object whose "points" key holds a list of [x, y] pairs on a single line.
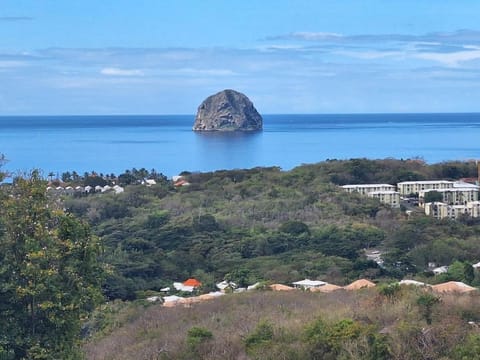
{"points": [[308, 282], [386, 192], [464, 185], [425, 182], [366, 185], [456, 189]]}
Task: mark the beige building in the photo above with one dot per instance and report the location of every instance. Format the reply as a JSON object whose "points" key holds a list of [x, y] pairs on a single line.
{"points": [[438, 210], [391, 198], [415, 187], [455, 211], [441, 210], [474, 208], [453, 196], [364, 189]]}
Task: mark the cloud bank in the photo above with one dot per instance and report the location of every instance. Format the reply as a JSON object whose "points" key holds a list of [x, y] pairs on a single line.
{"points": [[297, 72], [111, 71]]}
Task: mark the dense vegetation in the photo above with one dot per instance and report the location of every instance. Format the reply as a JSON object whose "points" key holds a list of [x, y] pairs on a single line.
{"points": [[267, 224], [50, 277], [369, 324], [261, 224]]}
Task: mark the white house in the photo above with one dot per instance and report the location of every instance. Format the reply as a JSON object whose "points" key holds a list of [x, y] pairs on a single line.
{"points": [[308, 284], [149, 182], [413, 282], [226, 284], [440, 270], [118, 189], [180, 287]]}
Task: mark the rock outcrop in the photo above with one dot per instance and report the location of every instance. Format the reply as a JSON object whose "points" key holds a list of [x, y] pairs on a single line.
{"points": [[227, 110]]}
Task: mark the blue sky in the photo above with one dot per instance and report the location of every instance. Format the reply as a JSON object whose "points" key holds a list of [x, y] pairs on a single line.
{"points": [[166, 56]]}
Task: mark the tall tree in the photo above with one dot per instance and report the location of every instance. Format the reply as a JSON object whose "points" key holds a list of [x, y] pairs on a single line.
{"points": [[49, 274]]}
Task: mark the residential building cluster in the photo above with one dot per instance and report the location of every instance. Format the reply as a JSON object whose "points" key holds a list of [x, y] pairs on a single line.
{"points": [[386, 193], [454, 198], [192, 286], [69, 190]]}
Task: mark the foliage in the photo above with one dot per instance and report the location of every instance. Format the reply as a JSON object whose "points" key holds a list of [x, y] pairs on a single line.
{"points": [[459, 271], [433, 196], [469, 349], [333, 341], [302, 325], [426, 302], [197, 335], [279, 226], [390, 291], [49, 274], [293, 227], [205, 223], [262, 334]]}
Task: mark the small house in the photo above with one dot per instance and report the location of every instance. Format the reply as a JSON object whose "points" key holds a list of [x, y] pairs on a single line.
{"points": [[308, 284], [192, 282]]}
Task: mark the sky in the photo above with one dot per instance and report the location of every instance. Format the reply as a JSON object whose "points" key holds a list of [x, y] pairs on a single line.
{"points": [[288, 56]]}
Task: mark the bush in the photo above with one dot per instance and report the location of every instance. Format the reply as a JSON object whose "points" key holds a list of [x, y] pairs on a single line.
{"points": [[468, 350], [262, 334], [426, 302], [197, 335], [294, 228], [390, 291]]}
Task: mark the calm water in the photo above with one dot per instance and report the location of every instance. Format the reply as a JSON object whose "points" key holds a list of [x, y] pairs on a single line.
{"points": [[167, 143]]}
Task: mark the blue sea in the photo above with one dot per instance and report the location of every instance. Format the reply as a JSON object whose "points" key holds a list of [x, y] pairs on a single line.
{"points": [[107, 144]]}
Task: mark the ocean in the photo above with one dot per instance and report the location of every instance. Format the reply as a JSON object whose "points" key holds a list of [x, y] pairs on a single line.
{"points": [[112, 144]]}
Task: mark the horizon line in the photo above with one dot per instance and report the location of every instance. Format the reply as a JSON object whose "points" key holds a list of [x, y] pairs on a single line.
{"points": [[266, 114]]}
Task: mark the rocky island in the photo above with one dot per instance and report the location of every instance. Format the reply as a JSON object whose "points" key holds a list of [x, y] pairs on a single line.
{"points": [[228, 110]]}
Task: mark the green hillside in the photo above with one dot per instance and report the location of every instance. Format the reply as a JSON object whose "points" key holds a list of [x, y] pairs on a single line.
{"points": [[264, 224]]}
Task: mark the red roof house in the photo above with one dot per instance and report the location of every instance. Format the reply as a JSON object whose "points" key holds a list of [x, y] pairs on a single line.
{"points": [[192, 282]]}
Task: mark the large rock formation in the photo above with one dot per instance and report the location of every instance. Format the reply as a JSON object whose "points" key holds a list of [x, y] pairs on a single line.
{"points": [[227, 110]]}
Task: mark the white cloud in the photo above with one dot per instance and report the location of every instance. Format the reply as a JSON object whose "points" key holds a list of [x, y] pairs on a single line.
{"points": [[110, 71], [206, 72], [371, 54], [305, 35], [308, 36], [452, 59]]}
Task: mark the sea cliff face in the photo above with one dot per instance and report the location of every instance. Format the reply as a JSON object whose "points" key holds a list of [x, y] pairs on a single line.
{"points": [[228, 110]]}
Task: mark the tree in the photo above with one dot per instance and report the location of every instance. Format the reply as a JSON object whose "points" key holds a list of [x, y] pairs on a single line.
{"points": [[293, 227], [49, 274], [460, 271], [426, 302], [66, 176], [433, 196], [3, 160], [205, 222]]}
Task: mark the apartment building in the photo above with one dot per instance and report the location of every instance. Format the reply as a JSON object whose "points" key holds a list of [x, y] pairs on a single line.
{"points": [[364, 189], [452, 196], [391, 198], [441, 210], [414, 187]]}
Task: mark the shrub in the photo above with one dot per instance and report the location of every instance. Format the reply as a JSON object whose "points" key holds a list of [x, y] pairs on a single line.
{"points": [[197, 335], [262, 334], [390, 291], [426, 302], [468, 350]]}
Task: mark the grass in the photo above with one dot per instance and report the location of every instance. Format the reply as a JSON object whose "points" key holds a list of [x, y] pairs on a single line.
{"points": [[162, 333]]}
